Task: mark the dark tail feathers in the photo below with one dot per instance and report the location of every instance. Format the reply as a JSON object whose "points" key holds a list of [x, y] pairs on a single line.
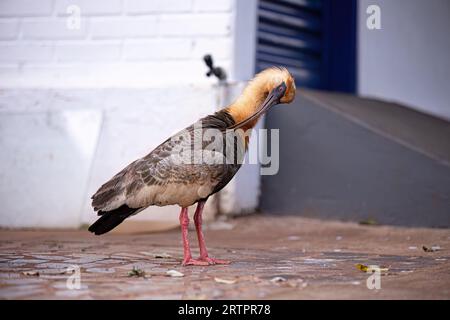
{"points": [[111, 219]]}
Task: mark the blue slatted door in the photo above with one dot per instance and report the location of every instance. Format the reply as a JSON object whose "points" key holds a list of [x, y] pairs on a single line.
{"points": [[290, 34]]}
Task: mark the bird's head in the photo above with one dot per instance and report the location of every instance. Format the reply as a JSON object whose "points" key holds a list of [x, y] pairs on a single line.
{"points": [[270, 87], [279, 84]]}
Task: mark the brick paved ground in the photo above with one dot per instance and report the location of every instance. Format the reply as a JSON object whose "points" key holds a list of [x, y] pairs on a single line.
{"points": [[314, 259]]}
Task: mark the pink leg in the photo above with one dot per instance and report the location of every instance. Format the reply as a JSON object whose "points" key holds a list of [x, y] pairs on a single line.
{"points": [[184, 222], [201, 238]]}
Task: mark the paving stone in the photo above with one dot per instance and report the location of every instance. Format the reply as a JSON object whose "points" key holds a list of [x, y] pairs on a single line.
{"points": [[26, 261], [71, 294], [21, 281], [110, 261], [12, 263], [9, 275], [101, 270], [83, 260], [302, 251], [54, 265], [20, 293], [49, 257]]}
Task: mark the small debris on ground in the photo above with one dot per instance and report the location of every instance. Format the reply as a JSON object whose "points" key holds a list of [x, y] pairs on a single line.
{"points": [[174, 273], [293, 283], [162, 256], [431, 249], [136, 272], [224, 281], [157, 255], [31, 273], [372, 268], [259, 257], [368, 222], [277, 279]]}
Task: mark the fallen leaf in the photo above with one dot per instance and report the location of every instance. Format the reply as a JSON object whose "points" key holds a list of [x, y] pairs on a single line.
{"points": [[369, 222], [225, 281], [174, 273], [31, 273], [371, 269], [361, 267], [135, 272]]}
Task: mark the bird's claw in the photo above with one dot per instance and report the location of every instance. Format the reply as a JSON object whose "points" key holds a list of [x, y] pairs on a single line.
{"points": [[194, 262], [212, 261], [206, 261]]}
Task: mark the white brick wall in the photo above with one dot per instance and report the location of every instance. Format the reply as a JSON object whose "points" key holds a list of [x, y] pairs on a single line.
{"points": [[157, 49], [213, 24], [90, 7], [157, 6], [9, 28], [50, 28], [81, 51], [119, 42], [146, 58], [12, 52], [19, 8], [212, 5], [123, 27]]}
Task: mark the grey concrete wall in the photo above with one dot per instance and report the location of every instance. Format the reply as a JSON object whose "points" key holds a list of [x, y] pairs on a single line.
{"points": [[332, 167]]}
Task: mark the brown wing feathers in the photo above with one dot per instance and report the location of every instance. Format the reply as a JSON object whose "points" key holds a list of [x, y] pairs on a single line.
{"points": [[108, 191], [134, 176]]}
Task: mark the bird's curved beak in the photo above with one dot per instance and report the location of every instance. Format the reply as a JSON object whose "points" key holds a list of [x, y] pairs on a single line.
{"points": [[273, 98]]}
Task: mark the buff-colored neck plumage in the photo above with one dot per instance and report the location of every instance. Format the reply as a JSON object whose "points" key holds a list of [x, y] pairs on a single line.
{"points": [[256, 92]]}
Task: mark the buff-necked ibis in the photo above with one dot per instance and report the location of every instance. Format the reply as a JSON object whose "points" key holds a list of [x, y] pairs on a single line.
{"points": [[166, 176]]}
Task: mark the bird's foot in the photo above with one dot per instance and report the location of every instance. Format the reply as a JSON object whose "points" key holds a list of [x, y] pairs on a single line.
{"points": [[212, 261], [194, 262]]}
